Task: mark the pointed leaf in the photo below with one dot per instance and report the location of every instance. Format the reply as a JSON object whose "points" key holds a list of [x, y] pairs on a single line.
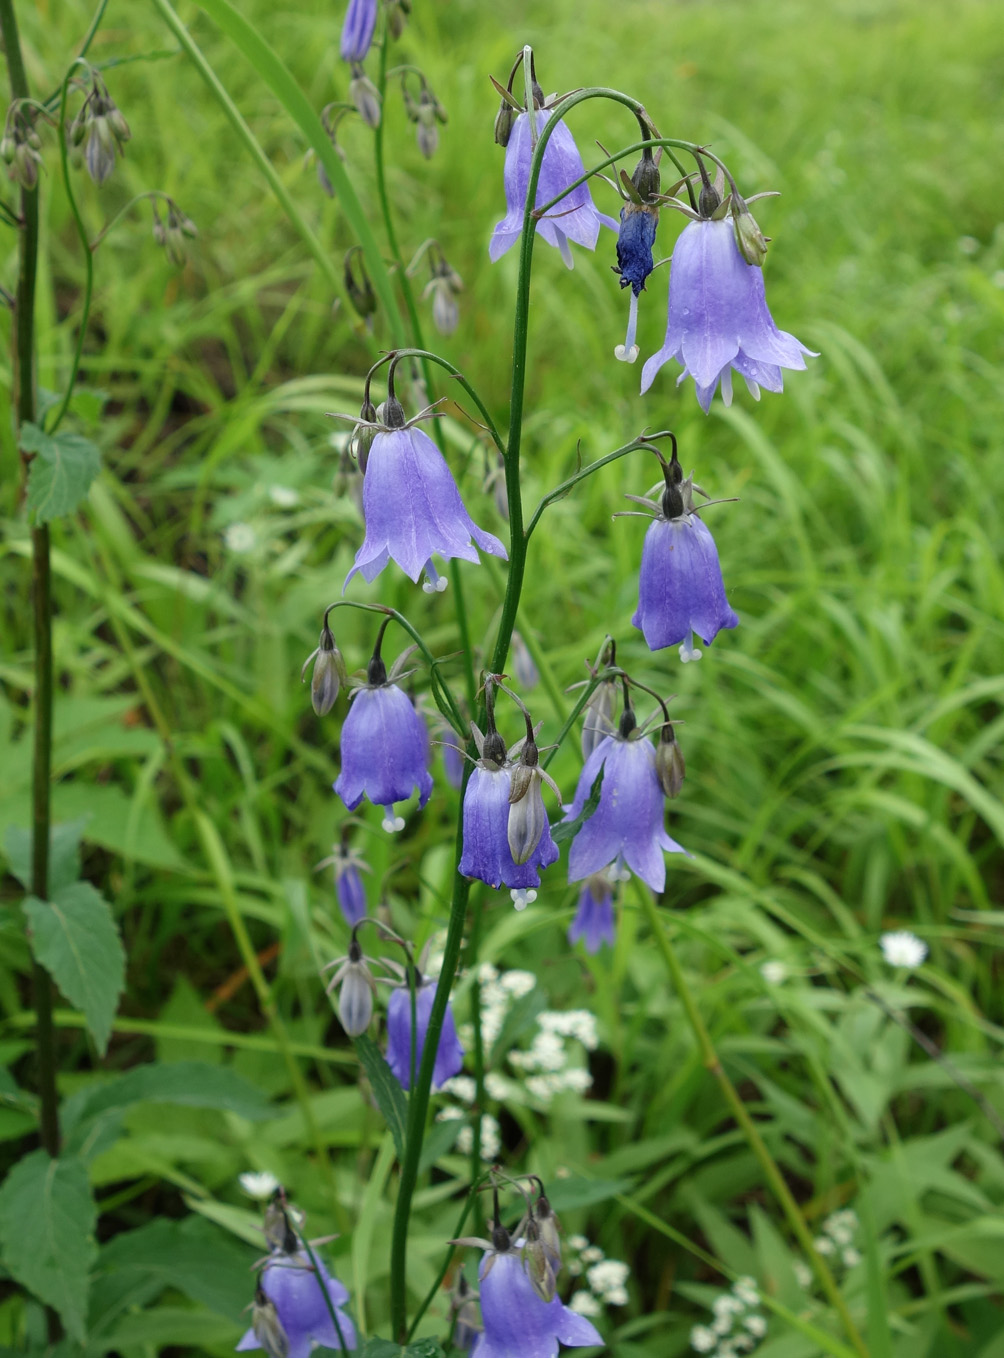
{"points": [[388, 1093], [61, 471], [75, 937], [47, 1218]]}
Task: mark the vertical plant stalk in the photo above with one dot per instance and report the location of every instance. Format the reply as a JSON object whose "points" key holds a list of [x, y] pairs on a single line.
{"points": [[41, 590], [768, 1164]]}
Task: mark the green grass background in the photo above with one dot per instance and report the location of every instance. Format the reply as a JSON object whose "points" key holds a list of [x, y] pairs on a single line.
{"points": [[843, 745]]}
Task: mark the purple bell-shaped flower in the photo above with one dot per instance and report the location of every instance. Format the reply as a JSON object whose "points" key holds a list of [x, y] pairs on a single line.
{"points": [[517, 1321], [291, 1315], [449, 1053], [412, 507], [594, 918], [680, 587], [575, 218], [507, 838], [718, 318], [357, 30], [627, 826], [385, 745]]}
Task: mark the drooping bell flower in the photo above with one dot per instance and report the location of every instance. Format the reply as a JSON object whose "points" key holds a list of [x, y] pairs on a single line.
{"points": [[385, 745], [449, 1053], [594, 918], [517, 1320], [627, 826], [505, 843], [357, 30], [575, 217], [635, 239], [412, 507], [290, 1314], [680, 588], [718, 317]]}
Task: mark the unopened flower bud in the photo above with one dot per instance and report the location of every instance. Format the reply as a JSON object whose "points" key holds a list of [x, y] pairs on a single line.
{"points": [[537, 1264], [366, 97], [8, 147], [355, 1000], [329, 673], [267, 1326], [397, 17], [504, 120], [428, 114], [750, 239], [357, 284], [547, 1224], [669, 762]]}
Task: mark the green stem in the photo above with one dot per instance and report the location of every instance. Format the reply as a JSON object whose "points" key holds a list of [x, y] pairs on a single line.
{"points": [[473, 947], [78, 348], [750, 1130], [434, 1289], [418, 1101], [41, 591], [24, 364]]}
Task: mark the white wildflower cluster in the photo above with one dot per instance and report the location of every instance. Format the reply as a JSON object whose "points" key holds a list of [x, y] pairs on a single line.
{"points": [[491, 1137], [258, 1184], [606, 1277], [548, 1061], [836, 1240], [903, 949], [737, 1326], [553, 1063]]}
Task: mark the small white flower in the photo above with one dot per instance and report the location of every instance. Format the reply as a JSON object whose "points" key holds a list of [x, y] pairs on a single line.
{"points": [[518, 983], [745, 1289], [577, 1080], [774, 973], [756, 1325], [851, 1257], [617, 1296], [824, 1245], [450, 1113], [240, 538], [491, 1138], [607, 1275], [903, 949], [585, 1304], [499, 1088], [578, 1242], [486, 973], [703, 1339], [592, 1254], [726, 1305], [260, 1185], [285, 497], [722, 1324], [803, 1273], [462, 1087]]}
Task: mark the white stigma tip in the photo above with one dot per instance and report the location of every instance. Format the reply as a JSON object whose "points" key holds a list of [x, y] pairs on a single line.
{"points": [[626, 355], [521, 899], [688, 653], [393, 824]]}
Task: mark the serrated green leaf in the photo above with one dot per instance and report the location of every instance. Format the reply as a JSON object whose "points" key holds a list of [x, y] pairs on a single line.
{"points": [[47, 1218], [192, 1084], [64, 853], [61, 471], [75, 937], [567, 829], [388, 1093]]}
